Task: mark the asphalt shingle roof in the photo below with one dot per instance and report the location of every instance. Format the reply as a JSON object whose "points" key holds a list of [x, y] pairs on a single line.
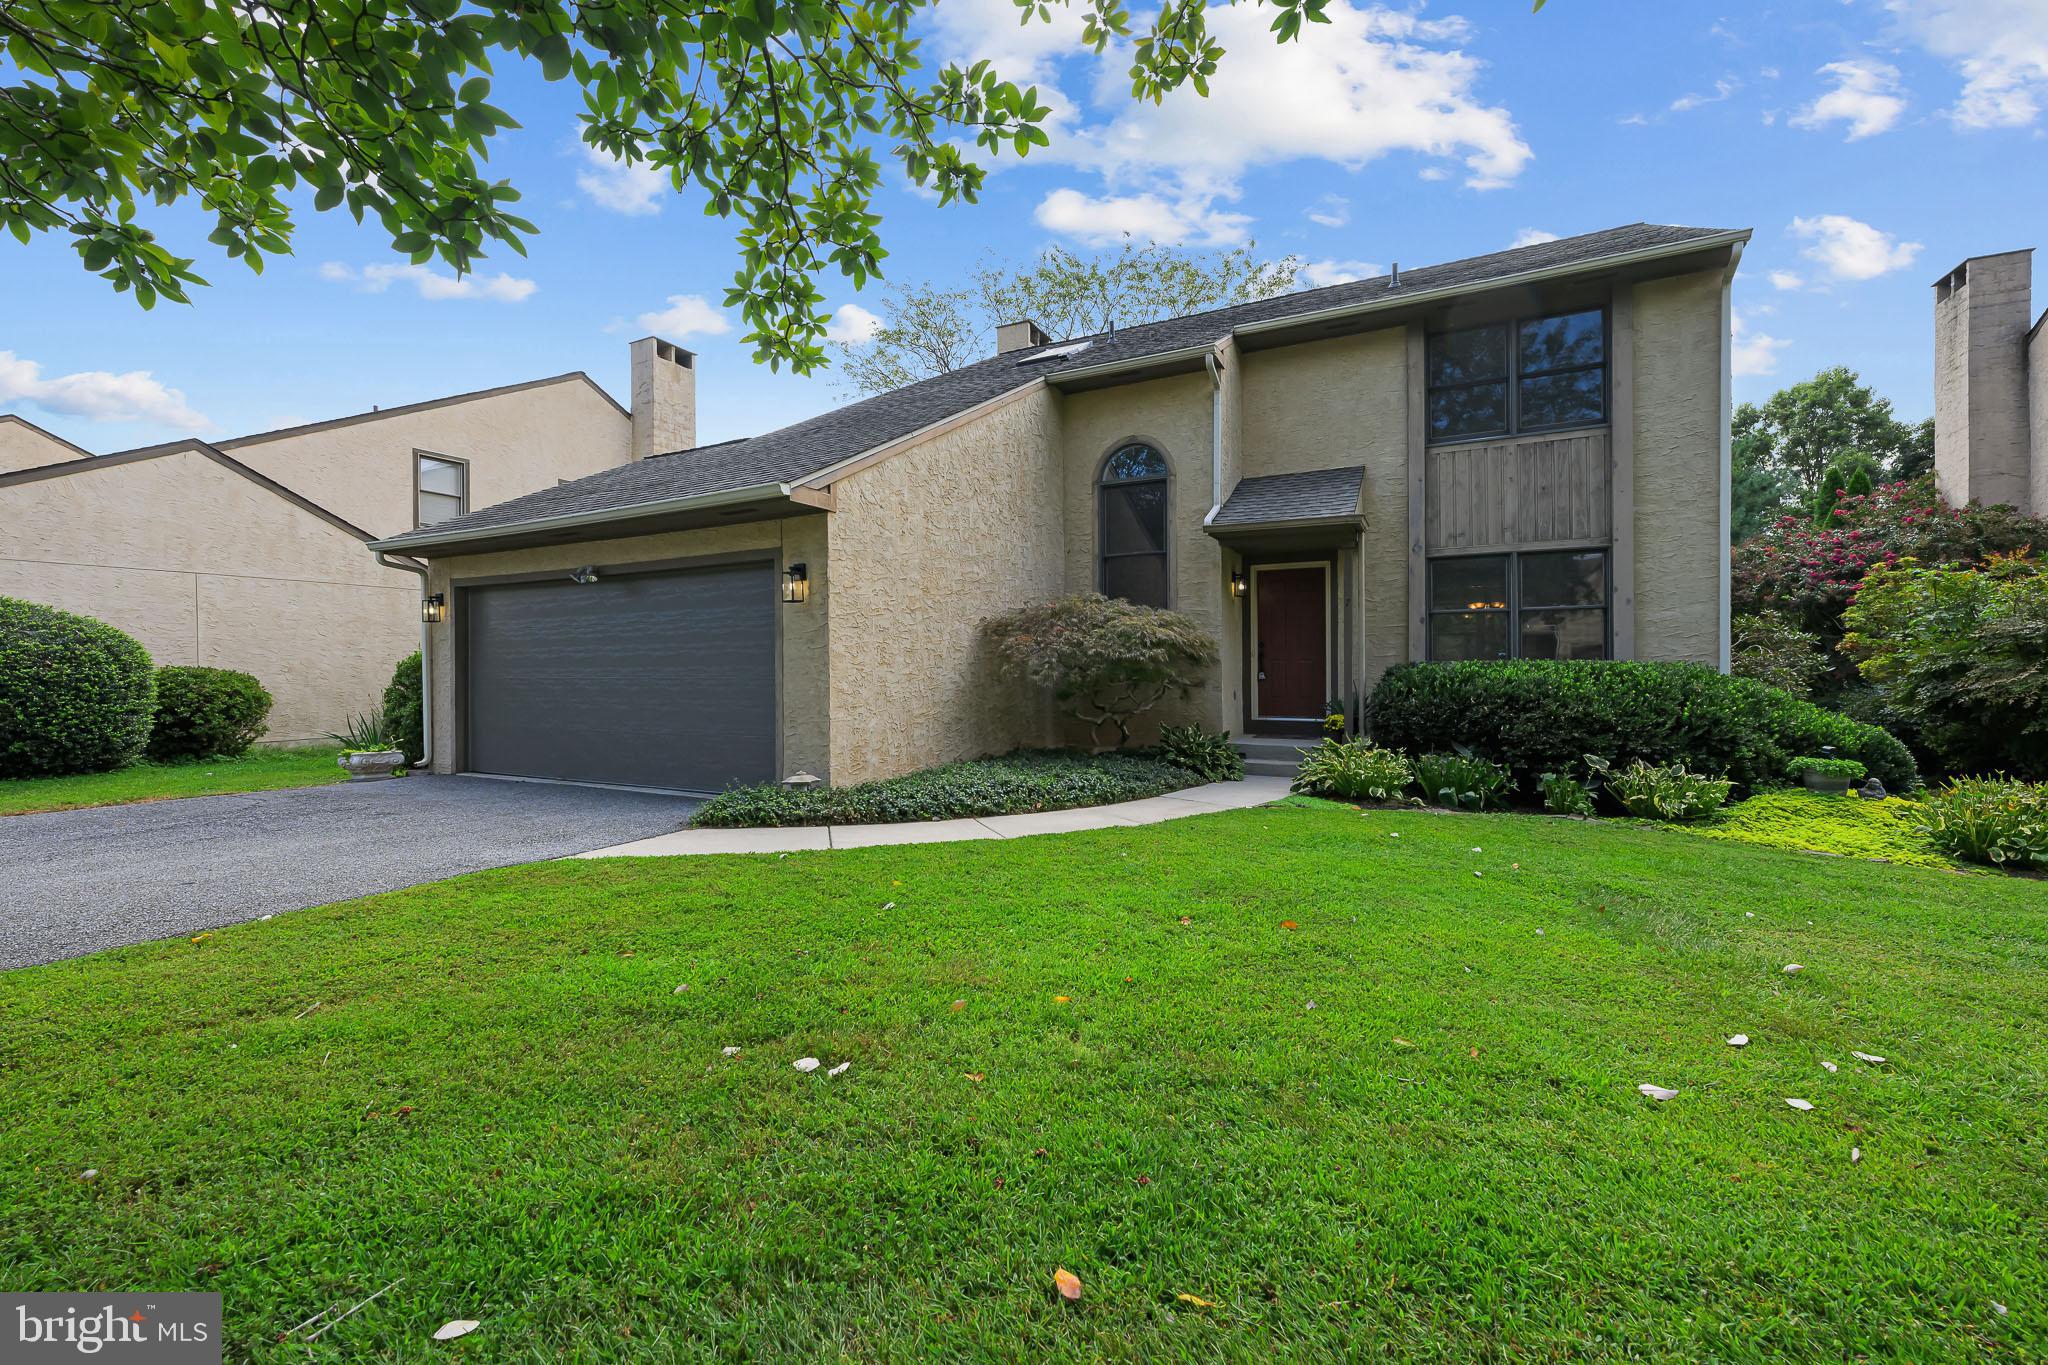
{"points": [[1315, 495], [798, 451]]}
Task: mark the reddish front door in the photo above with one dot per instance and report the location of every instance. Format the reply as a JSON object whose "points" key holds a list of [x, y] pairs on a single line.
{"points": [[1292, 624]]}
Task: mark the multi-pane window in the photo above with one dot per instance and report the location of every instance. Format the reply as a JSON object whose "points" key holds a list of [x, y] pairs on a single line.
{"points": [[1131, 526], [1539, 374], [443, 487], [1549, 604]]}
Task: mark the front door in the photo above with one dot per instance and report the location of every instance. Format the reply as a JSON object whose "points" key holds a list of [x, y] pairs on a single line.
{"points": [[1291, 623]]}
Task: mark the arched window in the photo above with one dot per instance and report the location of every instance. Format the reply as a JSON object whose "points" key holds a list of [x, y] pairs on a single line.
{"points": [[1130, 499]]}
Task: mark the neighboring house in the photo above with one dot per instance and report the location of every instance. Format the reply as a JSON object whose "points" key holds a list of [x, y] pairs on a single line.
{"points": [[1523, 454], [1991, 384], [249, 553]]}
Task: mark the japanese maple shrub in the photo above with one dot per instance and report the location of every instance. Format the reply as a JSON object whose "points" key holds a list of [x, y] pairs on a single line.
{"points": [[1105, 661]]}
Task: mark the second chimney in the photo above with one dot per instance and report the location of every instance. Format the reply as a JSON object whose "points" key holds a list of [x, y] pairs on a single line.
{"points": [[664, 397], [1019, 336]]}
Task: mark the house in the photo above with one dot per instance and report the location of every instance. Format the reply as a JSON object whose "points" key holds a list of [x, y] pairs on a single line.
{"points": [[1519, 454], [1991, 384], [248, 553]]}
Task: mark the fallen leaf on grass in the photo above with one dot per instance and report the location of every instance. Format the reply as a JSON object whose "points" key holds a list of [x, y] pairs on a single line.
{"points": [[1063, 1000], [1195, 1299], [89, 1173], [975, 1076], [805, 1064], [461, 1327], [1829, 1065], [1738, 1040], [1289, 924], [839, 1070], [196, 937], [959, 1004], [1793, 969], [681, 990], [1402, 1042], [1867, 1057], [1855, 1155], [1801, 1105], [888, 905], [1657, 1092], [731, 1051], [1068, 1283], [1185, 920]]}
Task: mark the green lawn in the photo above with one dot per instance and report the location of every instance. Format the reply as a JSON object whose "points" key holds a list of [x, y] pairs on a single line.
{"points": [[1094, 1051], [256, 771]]}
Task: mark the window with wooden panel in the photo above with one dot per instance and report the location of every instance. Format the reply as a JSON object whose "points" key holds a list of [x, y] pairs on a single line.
{"points": [[440, 487], [1549, 604], [1533, 374], [1131, 532]]}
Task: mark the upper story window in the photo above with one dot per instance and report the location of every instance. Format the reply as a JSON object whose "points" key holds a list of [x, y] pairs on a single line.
{"points": [[1536, 374], [441, 486], [1130, 502]]}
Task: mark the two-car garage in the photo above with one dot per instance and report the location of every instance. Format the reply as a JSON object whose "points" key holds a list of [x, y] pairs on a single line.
{"points": [[658, 677]]}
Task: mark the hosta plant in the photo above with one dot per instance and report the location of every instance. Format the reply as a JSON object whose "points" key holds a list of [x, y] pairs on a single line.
{"points": [[1213, 758], [1353, 771], [1667, 793], [1463, 781], [1991, 820], [1564, 794]]}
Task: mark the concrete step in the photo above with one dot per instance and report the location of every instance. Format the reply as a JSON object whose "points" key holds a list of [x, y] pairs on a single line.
{"points": [[1266, 767], [1272, 755]]}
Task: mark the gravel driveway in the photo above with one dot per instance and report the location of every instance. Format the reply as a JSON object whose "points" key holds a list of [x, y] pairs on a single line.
{"points": [[73, 882]]}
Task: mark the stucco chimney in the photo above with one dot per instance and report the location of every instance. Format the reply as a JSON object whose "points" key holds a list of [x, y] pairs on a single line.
{"points": [[1981, 439], [664, 397], [1019, 336]]}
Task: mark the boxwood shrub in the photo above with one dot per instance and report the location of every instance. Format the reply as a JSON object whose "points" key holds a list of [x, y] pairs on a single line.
{"points": [[206, 713], [76, 695], [403, 709], [1028, 780], [1541, 716]]}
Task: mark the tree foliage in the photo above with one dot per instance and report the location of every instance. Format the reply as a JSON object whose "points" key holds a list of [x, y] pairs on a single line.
{"points": [[1777, 653], [1104, 661], [928, 329], [1802, 429], [1962, 653], [782, 115]]}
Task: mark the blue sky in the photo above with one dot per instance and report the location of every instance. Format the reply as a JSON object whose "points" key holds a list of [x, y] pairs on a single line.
{"points": [[1871, 144]]}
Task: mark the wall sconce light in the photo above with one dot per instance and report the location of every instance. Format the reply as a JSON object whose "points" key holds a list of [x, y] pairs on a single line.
{"points": [[586, 575], [434, 608], [796, 585], [1239, 584]]}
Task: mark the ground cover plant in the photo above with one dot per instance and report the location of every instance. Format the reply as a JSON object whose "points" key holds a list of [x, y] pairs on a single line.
{"points": [[257, 770], [1350, 1099], [1028, 780], [1848, 826]]}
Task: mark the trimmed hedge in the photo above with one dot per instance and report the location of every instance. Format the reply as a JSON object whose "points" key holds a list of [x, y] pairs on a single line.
{"points": [[1541, 716], [206, 713], [402, 710], [76, 695], [1028, 780]]}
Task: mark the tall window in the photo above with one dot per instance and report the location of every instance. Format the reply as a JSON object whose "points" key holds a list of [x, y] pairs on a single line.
{"points": [[442, 486], [1550, 604], [1130, 499], [1538, 374]]}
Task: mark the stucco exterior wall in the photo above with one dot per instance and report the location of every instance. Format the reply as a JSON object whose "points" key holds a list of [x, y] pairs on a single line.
{"points": [[24, 445], [515, 441], [2037, 409], [925, 546], [806, 732], [1343, 402], [1678, 492], [1173, 416], [203, 566]]}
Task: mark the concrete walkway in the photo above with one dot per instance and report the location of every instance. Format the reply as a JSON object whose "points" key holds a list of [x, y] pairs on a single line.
{"points": [[1253, 791]]}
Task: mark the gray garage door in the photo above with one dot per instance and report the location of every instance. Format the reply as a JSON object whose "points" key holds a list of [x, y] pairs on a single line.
{"points": [[645, 679]]}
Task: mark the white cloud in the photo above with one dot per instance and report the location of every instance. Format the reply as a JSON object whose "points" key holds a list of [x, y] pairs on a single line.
{"points": [[1852, 250], [98, 395], [1866, 97], [686, 315], [852, 324], [428, 283], [1999, 46], [1787, 279], [635, 190], [1753, 353], [1633, 121], [1723, 88], [1331, 211], [1371, 83], [1319, 274], [1105, 220], [1532, 237]]}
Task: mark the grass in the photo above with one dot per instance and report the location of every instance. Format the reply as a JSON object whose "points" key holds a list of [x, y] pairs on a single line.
{"points": [[262, 769], [1844, 825], [1093, 1051]]}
